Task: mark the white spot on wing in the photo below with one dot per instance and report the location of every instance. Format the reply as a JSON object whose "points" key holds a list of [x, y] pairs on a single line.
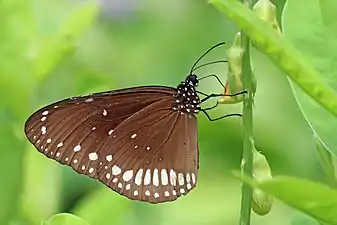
{"points": [[155, 177], [120, 185], [133, 136], [181, 179], [164, 178], [107, 176], [43, 118], [167, 193], [89, 100], [43, 130], [182, 190], [105, 113], [138, 178], [173, 177], [48, 140], [75, 161], [188, 178], [156, 195], [108, 158], [147, 193], [45, 113], [193, 178], [110, 132], [91, 170], [116, 170], [148, 148], [147, 178], [59, 145], [93, 156], [77, 148], [189, 186], [135, 193], [83, 167], [128, 175], [127, 187]]}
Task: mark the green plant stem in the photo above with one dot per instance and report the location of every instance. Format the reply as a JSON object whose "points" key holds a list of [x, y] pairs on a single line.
{"points": [[247, 120]]}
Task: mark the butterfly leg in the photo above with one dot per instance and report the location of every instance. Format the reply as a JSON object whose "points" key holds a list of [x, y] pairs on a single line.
{"points": [[212, 107], [221, 117], [202, 93], [220, 95]]}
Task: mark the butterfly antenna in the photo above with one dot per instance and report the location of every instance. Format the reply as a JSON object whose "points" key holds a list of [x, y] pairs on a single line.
{"points": [[209, 63], [215, 46]]}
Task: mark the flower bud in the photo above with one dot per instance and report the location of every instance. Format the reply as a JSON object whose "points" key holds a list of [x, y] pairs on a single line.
{"points": [[266, 10], [234, 80], [261, 202]]}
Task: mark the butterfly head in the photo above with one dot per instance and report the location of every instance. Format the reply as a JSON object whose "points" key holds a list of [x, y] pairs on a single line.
{"points": [[192, 80]]}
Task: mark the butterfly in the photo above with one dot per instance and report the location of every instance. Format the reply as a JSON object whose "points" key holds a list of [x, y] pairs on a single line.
{"points": [[142, 142]]}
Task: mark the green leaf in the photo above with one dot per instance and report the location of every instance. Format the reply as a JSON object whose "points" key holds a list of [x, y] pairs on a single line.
{"points": [[98, 206], [10, 168], [317, 200], [328, 8], [65, 219], [327, 163], [312, 30], [64, 40], [16, 30], [281, 52], [303, 219], [42, 181]]}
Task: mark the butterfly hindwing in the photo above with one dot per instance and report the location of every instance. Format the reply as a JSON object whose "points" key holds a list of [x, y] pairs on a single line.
{"points": [[156, 157]]}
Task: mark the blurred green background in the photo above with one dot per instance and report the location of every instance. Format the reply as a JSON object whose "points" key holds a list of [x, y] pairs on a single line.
{"points": [[45, 58]]}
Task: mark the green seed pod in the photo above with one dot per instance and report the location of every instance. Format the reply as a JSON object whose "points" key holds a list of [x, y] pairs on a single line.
{"points": [[234, 80], [266, 10], [261, 202]]}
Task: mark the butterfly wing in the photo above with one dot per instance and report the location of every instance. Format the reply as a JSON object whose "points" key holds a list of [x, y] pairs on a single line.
{"points": [[152, 156], [69, 129]]}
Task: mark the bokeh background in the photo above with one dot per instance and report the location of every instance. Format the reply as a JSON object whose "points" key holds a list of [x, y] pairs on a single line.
{"points": [[131, 43]]}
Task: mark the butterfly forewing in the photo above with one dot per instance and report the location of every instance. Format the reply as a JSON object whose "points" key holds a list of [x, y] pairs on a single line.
{"points": [[68, 130], [156, 156]]}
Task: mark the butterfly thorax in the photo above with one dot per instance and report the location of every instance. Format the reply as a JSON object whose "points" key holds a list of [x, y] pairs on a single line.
{"points": [[186, 100]]}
